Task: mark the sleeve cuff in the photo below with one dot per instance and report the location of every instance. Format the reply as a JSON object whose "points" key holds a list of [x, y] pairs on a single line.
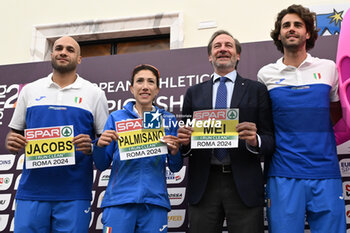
{"points": [[254, 149]]}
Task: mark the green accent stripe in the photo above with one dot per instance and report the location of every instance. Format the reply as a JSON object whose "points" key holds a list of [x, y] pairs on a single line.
{"points": [[141, 147], [214, 137], [52, 156]]}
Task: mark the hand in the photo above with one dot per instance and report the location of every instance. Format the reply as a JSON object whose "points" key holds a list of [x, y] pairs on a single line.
{"points": [[15, 142], [184, 135], [247, 132], [172, 143], [107, 137], [82, 143]]}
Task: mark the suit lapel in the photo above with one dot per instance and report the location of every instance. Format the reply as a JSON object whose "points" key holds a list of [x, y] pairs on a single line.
{"points": [[238, 91], [207, 94]]}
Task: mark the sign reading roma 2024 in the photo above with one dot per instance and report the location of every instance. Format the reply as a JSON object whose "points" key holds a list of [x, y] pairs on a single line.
{"points": [[137, 142], [49, 147], [209, 134]]}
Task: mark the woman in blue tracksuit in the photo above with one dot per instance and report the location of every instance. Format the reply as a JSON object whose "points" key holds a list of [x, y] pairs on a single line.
{"points": [[136, 199]]}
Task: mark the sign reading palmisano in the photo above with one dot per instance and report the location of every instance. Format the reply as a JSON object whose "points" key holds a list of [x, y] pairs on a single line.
{"points": [[6, 162], [137, 142], [49, 147], [215, 128]]}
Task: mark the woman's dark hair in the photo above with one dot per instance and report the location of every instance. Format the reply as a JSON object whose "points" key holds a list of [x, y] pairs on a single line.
{"points": [[306, 15], [151, 68]]}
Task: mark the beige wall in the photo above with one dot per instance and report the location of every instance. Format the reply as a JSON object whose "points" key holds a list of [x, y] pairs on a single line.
{"points": [[247, 20]]}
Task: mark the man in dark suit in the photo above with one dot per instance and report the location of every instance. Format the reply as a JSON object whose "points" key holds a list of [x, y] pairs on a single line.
{"points": [[231, 185]]}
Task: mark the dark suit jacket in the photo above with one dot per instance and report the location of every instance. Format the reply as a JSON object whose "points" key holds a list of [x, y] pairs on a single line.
{"points": [[252, 99]]}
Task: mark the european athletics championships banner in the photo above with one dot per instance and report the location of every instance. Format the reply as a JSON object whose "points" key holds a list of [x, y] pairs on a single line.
{"points": [[179, 69]]}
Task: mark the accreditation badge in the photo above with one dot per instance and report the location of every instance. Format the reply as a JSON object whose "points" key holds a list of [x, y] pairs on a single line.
{"points": [[215, 129], [136, 142], [49, 147]]}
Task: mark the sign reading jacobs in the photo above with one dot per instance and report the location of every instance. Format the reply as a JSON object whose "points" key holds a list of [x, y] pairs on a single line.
{"points": [[206, 134], [49, 147]]}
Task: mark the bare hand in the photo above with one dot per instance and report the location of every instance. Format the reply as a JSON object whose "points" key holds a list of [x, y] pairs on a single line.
{"points": [[15, 142], [82, 143], [107, 137], [184, 135], [247, 132], [172, 143]]}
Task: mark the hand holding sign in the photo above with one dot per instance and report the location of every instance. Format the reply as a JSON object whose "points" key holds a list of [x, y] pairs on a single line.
{"points": [[82, 143], [15, 142], [184, 135], [107, 137], [172, 143], [247, 131]]}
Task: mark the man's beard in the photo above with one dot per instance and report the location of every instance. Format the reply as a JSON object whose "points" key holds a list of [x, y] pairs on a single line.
{"points": [[293, 47], [63, 69], [223, 66]]}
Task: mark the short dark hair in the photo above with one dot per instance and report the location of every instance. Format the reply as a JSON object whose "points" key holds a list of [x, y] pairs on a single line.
{"points": [[220, 32], [151, 68], [306, 15]]}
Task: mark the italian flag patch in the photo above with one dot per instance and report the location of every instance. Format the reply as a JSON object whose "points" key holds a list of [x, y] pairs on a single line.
{"points": [[78, 100], [107, 230], [317, 75]]}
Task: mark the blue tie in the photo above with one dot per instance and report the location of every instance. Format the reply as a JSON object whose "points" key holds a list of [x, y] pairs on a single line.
{"points": [[221, 103]]}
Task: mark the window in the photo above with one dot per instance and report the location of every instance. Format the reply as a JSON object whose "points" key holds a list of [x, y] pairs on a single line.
{"points": [[125, 45], [170, 24]]}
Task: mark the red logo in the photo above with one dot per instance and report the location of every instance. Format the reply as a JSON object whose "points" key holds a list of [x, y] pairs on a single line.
{"points": [[128, 125], [43, 133]]}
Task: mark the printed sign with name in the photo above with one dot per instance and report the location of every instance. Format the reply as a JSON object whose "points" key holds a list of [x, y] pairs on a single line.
{"points": [[215, 128], [137, 142], [49, 147]]}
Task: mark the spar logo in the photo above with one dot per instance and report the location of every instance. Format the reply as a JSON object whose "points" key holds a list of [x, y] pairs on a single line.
{"points": [[47, 133], [122, 126], [219, 114], [232, 114]]}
